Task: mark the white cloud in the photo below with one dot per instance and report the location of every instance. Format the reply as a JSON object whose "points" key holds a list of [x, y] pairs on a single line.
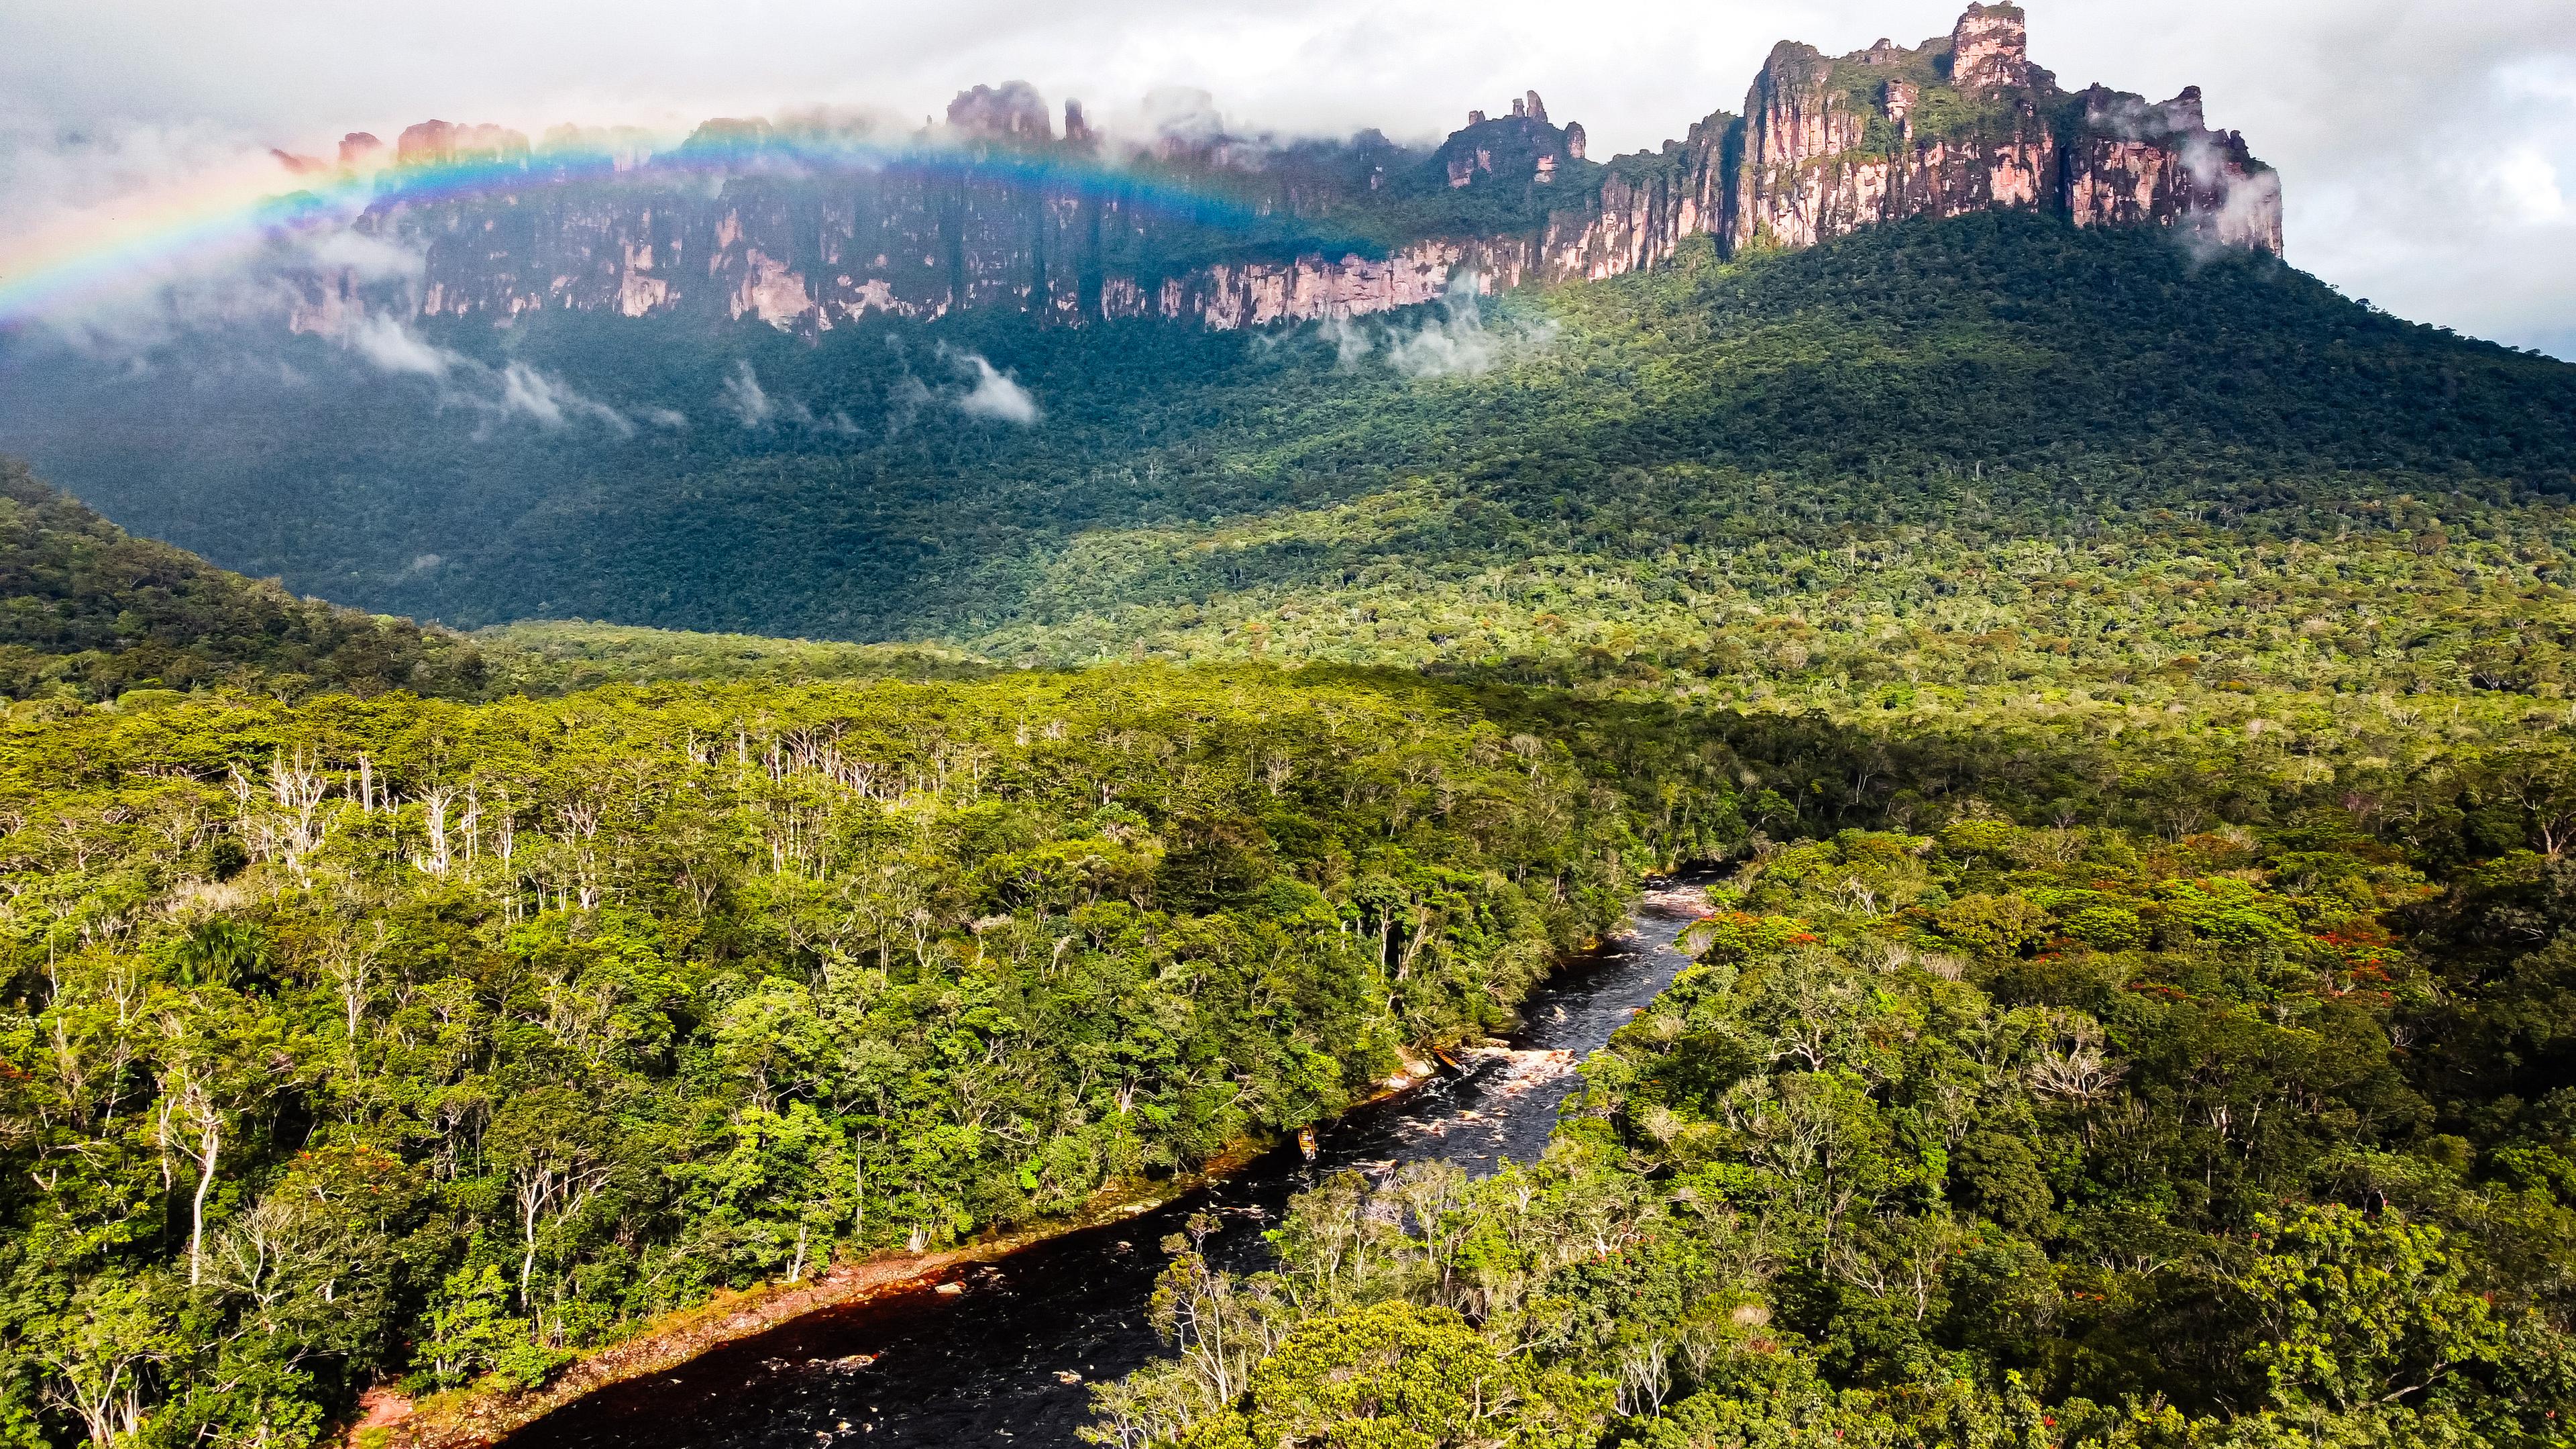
{"points": [[553, 403], [70, 194], [2528, 183], [994, 394], [368, 259], [744, 397], [904, 402], [389, 346], [1454, 341], [515, 389], [755, 406], [1352, 342]]}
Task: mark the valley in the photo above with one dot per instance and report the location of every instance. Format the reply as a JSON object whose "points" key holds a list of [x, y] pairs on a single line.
{"points": [[1870, 779]]}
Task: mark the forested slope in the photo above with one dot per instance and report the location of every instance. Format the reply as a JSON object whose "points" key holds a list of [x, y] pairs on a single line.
{"points": [[88, 611], [1990, 378], [561, 656]]}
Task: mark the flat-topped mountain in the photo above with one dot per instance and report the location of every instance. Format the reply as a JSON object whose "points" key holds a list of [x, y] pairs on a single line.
{"points": [[810, 226]]}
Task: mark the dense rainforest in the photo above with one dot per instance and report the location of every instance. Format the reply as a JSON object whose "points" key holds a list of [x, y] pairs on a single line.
{"points": [[2003, 1135], [399, 1036], [2126, 693]]}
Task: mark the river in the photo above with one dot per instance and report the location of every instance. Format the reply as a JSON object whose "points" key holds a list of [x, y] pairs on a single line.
{"points": [[1003, 1352]]}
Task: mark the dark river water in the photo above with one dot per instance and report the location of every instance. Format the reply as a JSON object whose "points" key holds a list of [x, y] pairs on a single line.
{"points": [[1008, 1359]]}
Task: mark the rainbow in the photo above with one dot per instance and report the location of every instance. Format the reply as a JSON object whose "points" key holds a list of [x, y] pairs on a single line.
{"points": [[223, 219]]}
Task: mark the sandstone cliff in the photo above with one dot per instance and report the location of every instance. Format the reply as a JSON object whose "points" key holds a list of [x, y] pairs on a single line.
{"points": [[809, 230], [1967, 123]]}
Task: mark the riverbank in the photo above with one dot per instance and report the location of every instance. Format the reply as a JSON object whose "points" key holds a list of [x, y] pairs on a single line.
{"points": [[1008, 1352], [472, 1418], [659, 1398]]}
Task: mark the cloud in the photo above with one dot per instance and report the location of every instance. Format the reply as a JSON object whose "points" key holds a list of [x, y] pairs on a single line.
{"points": [[553, 403], [757, 407], [2246, 204], [994, 394], [1454, 342], [367, 259], [905, 400], [515, 389], [744, 397], [1352, 343], [2528, 186], [81, 208], [2249, 204], [389, 346]]}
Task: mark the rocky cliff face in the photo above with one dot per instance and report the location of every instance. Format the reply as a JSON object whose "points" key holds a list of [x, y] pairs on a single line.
{"points": [[997, 211], [1966, 123], [443, 143], [2132, 164]]}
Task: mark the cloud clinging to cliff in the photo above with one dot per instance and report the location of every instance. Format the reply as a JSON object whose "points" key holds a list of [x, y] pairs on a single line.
{"points": [[2428, 148], [389, 346], [1455, 341], [744, 397], [991, 393], [515, 390]]}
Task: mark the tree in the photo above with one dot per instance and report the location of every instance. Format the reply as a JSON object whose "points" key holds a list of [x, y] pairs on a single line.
{"points": [[2364, 1311], [1402, 1377], [554, 1145], [104, 1355], [216, 1060]]}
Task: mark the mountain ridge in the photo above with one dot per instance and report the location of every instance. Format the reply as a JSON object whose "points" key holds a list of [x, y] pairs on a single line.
{"points": [[814, 228]]}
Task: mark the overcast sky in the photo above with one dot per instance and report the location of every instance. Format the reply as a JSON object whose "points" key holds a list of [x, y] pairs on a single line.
{"points": [[2428, 147]]}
